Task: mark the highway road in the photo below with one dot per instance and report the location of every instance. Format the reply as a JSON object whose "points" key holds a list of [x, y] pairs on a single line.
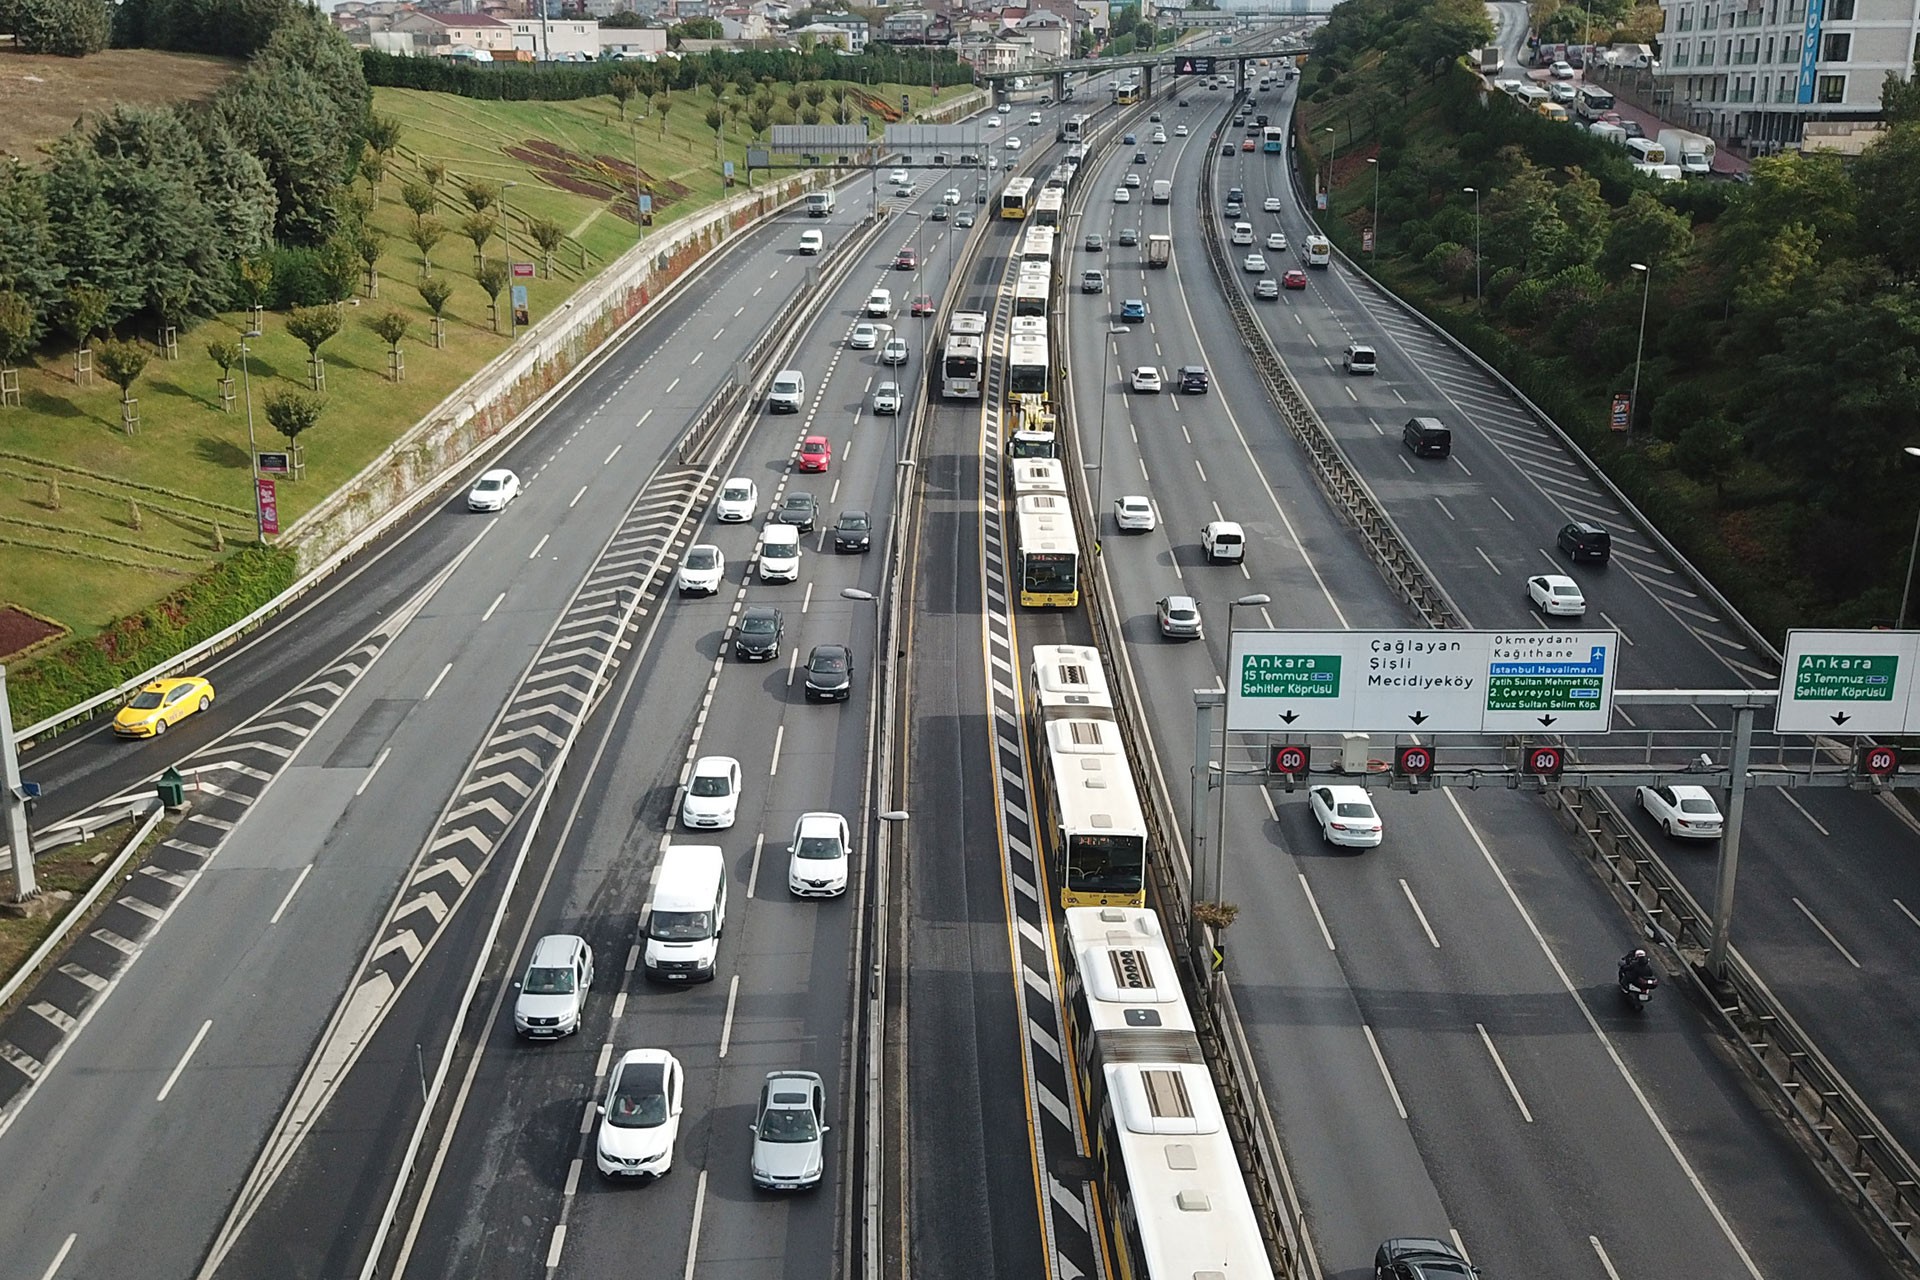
{"points": [[1829, 887], [1433, 1019], [212, 1022]]}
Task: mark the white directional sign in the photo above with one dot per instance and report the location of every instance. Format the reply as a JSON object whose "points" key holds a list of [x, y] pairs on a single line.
{"points": [[1421, 681], [1844, 682]]}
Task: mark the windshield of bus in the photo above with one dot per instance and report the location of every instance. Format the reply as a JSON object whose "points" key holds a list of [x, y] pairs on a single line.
{"points": [[967, 366], [1105, 864], [1031, 444], [1050, 571]]}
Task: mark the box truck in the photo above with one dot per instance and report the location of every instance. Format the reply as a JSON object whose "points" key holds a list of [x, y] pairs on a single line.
{"points": [[819, 203], [1693, 152], [1159, 250]]}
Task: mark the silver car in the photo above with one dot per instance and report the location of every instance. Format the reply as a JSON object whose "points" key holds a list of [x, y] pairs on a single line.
{"points": [[1180, 618], [790, 1132]]}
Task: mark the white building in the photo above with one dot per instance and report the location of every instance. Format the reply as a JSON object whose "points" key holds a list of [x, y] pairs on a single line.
{"points": [[1757, 71], [633, 42], [565, 39]]}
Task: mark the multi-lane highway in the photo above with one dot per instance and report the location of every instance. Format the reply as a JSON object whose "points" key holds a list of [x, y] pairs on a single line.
{"points": [[1433, 1019]]}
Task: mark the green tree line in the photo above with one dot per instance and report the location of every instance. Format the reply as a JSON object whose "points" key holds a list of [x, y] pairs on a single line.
{"points": [[1780, 378], [153, 214]]}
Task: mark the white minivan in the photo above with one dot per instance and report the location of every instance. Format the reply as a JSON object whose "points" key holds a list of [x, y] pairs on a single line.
{"points": [[1243, 233], [789, 392], [1224, 542], [812, 242], [683, 921], [880, 304], [780, 553]]}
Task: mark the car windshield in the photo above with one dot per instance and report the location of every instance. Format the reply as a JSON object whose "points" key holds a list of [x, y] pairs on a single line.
{"points": [[549, 982], [711, 784], [702, 558], [799, 502], [820, 847], [827, 664], [1702, 806], [790, 1122], [758, 626], [1179, 613], [1353, 809], [147, 699], [814, 446], [736, 493], [639, 1097], [855, 520], [680, 926]]}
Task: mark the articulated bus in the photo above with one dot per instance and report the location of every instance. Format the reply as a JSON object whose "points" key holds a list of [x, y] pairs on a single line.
{"points": [[1273, 139], [1047, 555], [1049, 207], [1592, 102], [1095, 833], [1028, 365], [1073, 129], [1038, 475], [1058, 178], [1030, 296], [1031, 433], [960, 366], [1016, 198], [1037, 242]]}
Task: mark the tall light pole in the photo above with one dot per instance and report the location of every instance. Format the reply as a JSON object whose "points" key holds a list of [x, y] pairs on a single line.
{"points": [[506, 237], [1901, 624], [1633, 399], [1333, 154], [1099, 467], [1374, 163], [253, 452], [1475, 193], [1220, 810]]}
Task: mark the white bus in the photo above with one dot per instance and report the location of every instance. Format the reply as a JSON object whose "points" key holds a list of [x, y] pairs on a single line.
{"points": [[1095, 833], [960, 366], [1028, 366], [1016, 198], [1592, 102], [1031, 433], [1048, 556], [1030, 294], [1036, 243], [1073, 129], [1049, 207], [1038, 475], [973, 322]]}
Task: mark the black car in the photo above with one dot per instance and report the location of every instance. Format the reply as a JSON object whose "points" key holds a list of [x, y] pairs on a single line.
{"points": [[853, 531], [1226, 148], [798, 508], [964, 220], [1139, 157], [1129, 236], [830, 673], [1193, 380], [757, 638], [1584, 540], [1417, 1259], [939, 213]]}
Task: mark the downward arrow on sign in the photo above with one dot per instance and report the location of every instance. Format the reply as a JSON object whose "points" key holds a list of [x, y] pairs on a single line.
{"points": [[1418, 717], [1841, 717]]}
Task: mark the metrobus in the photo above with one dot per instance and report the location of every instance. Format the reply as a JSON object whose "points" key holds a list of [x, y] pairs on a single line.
{"points": [[1094, 831], [1592, 102], [1032, 430], [1157, 1130], [1029, 326], [973, 322], [1047, 555], [1030, 294], [960, 366], [1016, 197], [1028, 366], [1049, 208], [1273, 139], [1036, 243], [1038, 475], [1057, 179], [1073, 129], [1127, 94]]}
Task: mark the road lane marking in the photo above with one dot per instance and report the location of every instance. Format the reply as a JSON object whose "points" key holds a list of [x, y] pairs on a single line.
{"points": [[633, 957], [779, 736], [1908, 914], [616, 453], [1605, 1261], [573, 1178], [726, 1023], [670, 386], [302, 879], [1813, 821], [600, 1066], [1322, 920], [436, 682], [53, 1268], [185, 1058], [619, 1006], [495, 605], [806, 601], [1512, 1088], [543, 539], [377, 762], [696, 358], [559, 1239], [693, 1240], [753, 871], [1503, 511], [1418, 913], [577, 497], [1828, 932], [1490, 564], [1380, 1061]]}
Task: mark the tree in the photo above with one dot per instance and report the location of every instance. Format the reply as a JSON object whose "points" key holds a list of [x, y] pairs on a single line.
{"points": [[426, 232], [1888, 182], [84, 314], [492, 277], [284, 116], [368, 243], [29, 259], [662, 105], [622, 87], [238, 195], [225, 354], [374, 166], [1645, 231], [150, 160], [383, 135], [122, 362], [1900, 96], [434, 291], [434, 172], [480, 194], [419, 198], [255, 280], [548, 234], [292, 413], [312, 326], [715, 119], [479, 228], [70, 28], [19, 326], [87, 230], [391, 326]]}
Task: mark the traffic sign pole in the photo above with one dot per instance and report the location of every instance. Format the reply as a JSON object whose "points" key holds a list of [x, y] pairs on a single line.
{"points": [[1730, 843]]}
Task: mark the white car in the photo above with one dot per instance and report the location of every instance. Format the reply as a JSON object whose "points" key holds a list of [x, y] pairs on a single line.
{"points": [[1132, 180], [900, 178], [1013, 144], [1276, 240], [739, 499], [701, 570], [1556, 595], [1268, 288], [1003, 109], [951, 197], [1346, 816], [993, 122], [1255, 263], [886, 398], [1134, 514], [1682, 810], [1146, 380], [1159, 135], [880, 304], [1033, 117], [713, 793], [640, 1118], [1562, 70], [1561, 92], [493, 490], [819, 856], [1272, 204], [895, 351], [1122, 196], [865, 337], [1179, 131]]}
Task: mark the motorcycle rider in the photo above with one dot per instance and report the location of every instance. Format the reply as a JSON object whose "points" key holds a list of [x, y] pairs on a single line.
{"points": [[1635, 968]]}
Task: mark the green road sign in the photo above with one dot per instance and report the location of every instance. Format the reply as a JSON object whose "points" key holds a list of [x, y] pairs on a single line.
{"points": [[1290, 675], [1845, 677]]}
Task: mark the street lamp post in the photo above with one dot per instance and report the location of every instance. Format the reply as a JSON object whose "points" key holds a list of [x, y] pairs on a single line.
{"points": [[1374, 163], [1333, 155], [1220, 809], [1475, 193], [1099, 466], [1900, 624], [506, 237], [1640, 347], [253, 452]]}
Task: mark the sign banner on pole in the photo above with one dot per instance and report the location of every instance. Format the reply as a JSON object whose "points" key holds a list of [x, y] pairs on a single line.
{"points": [[1622, 416], [269, 504], [520, 305], [523, 271], [1366, 239], [273, 464]]}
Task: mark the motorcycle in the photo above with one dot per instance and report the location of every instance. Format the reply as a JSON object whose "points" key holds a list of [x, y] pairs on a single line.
{"points": [[1637, 989]]}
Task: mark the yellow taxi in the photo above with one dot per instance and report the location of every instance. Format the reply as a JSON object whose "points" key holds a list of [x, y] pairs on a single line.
{"points": [[161, 704]]}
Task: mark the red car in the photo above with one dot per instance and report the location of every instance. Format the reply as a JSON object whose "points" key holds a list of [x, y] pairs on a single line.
{"points": [[923, 305], [816, 452], [1295, 279], [905, 261], [1246, 144]]}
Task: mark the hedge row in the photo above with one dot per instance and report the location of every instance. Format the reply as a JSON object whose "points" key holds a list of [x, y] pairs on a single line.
{"points": [[203, 607]]}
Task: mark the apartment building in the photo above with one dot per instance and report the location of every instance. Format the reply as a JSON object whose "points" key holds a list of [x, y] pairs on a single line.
{"points": [[1754, 73]]}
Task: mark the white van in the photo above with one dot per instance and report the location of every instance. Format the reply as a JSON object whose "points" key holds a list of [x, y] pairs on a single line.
{"points": [[683, 921], [789, 392], [812, 242], [1243, 233], [780, 553], [1646, 151], [880, 304], [1224, 542]]}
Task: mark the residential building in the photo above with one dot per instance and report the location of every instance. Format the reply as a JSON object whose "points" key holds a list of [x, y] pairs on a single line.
{"points": [[1754, 73], [1050, 35], [558, 39], [638, 42], [441, 33], [851, 26]]}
